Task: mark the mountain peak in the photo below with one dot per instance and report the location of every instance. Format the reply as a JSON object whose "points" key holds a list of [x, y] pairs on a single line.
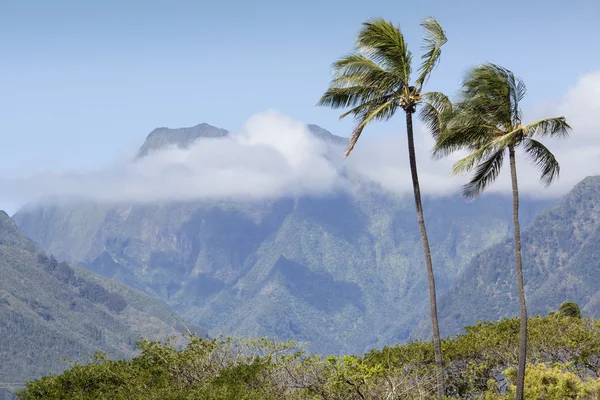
{"points": [[181, 137], [11, 236], [7, 225], [325, 135], [163, 137]]}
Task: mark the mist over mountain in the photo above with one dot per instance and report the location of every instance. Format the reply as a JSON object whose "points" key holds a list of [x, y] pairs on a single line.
{"points": [[339, 267], [182, 138]]}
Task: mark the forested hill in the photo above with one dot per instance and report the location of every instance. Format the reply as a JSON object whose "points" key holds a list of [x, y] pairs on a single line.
{"points": [[50, 310], [561, 260]]}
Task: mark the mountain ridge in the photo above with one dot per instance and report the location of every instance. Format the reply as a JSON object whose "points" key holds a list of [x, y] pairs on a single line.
{"points": [[561, 259], [51, 310], [163, 137]]}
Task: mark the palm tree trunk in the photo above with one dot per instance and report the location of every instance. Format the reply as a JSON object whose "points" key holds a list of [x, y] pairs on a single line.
{"points": [[520, 286], [437, 348]]}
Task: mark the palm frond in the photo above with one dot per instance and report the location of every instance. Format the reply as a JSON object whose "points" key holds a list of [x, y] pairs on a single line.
{"points": [[358, 70], [543, 159], [518, 92], [368, 114], [436, 111], [348, 96], [384, 43], [569, 309], [364, 107], [486, 90], [554, 127], [464, 130], [484, 151], [356, 63], [434, 39], [485, 174]]}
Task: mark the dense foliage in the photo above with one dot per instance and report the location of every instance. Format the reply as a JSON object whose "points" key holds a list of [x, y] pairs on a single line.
{"points": [[563, 355]]}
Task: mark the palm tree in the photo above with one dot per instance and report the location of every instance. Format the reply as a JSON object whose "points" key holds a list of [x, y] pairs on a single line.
{"points": [[487, 121], [375, 82], [568, 309]]}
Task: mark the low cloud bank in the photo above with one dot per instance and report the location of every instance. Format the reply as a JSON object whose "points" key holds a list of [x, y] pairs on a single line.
{"points": [[273, 156]]}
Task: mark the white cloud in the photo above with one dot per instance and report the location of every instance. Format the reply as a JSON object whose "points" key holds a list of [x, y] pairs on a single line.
{"points": [[274, 155], [386, 161]]}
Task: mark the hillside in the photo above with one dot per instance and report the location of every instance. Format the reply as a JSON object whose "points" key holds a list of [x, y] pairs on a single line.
{"points": [[344, 272], [51, 310], [561, 260]]}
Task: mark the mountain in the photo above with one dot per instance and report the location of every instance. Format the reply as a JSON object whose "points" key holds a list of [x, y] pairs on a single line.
{"points": [[161, 138], [561, 261], [344, 272], [51, 310], [182, 137]]}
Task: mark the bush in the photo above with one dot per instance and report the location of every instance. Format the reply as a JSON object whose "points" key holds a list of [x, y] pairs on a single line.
{"points": [[563, 352], [546, 382]]}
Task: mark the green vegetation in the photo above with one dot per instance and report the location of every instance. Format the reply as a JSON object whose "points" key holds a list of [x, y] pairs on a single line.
{"points": [[51, 310], [303, 268], [563, 353], [568, 309], [487, 121], [375, 81]]}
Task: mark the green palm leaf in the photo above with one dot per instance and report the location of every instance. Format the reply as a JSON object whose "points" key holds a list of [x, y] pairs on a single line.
{"points": [[348, 97], [569, 309], [543, 159], [483, 152], [553, 127], [384, 43], [436, 111], [434, 39], [368, 114], [485, 174]]}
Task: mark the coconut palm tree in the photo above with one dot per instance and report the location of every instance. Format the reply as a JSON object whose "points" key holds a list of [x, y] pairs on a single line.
{"points": [[486, 120], [375, 81], [568, 309]]}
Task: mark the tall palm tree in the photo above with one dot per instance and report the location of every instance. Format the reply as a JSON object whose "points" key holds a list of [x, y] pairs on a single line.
{"points": [[486, 120], [375, 81]]}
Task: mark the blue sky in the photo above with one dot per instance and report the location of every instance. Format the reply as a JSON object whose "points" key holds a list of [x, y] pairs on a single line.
{"points": [[81, 82]]}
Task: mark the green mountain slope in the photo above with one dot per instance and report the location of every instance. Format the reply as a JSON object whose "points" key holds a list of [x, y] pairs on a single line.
{"points": [[561, 259], [51, 310], [344, 272]]}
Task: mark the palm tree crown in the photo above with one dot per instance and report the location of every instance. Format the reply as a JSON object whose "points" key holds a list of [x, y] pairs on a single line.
{"points": [[569, 309], [487, 120], [375, 79]]}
